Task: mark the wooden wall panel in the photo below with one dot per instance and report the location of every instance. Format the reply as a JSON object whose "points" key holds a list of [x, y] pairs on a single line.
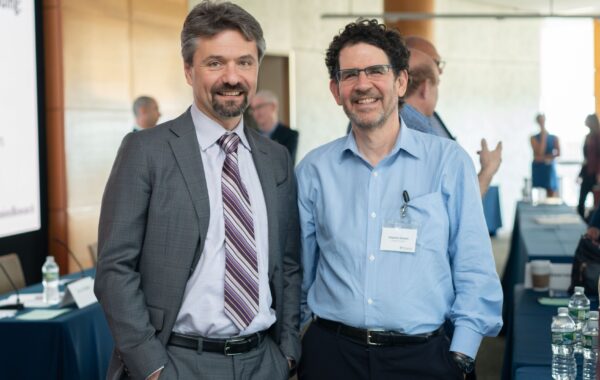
{"points": [[54, 108], [96, 59], [423, 28], [113, 50]]}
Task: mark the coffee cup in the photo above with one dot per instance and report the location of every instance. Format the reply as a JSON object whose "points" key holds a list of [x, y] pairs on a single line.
{"points": [[540, 274]]}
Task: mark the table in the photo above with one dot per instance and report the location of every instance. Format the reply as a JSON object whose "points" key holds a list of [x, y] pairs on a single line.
{"points": [[533, 373], [491, 209], [528, 343], [531, 240], [74, 345]]}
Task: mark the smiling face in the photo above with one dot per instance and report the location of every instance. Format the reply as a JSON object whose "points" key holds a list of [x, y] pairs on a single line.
{"points": [[368, 102], [223, 76]]}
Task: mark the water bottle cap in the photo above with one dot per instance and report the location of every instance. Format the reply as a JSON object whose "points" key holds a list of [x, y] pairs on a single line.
{"points": [[579, 289], [593, 315], [50, 258], [563, 310]]}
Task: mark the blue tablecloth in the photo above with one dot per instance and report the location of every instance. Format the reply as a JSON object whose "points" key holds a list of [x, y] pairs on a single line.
{"points": [[75, 345], [533, 373], [531, 240], [491, 209]]}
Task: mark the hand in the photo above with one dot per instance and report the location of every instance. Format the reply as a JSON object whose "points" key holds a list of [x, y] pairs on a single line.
{"points": [[593, 233], [490, 160]]}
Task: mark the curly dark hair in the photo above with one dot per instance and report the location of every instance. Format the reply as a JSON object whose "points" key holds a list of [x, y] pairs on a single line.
{"points": [[373, 33]]}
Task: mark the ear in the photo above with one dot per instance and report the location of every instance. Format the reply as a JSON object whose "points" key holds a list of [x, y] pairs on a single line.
{"points": [[402, 83], [424, 89], [187, 69], [335, 91]]}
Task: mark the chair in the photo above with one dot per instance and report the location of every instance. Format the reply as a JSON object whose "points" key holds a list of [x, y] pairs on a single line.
{"points": [[12, 264], [94, 252]]}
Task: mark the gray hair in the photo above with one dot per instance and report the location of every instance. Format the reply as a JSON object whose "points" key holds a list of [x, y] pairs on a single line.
{"points": [[207, 19], [141, 102], [268, 96]]}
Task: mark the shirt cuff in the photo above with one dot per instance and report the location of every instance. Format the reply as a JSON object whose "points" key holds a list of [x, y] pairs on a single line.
{"points": [[465, 341], [152, 374]]}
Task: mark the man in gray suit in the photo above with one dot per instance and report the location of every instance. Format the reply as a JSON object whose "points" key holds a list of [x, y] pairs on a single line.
{"points": [[198, 270]]}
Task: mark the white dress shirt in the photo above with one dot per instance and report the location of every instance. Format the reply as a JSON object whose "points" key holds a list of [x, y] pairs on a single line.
{"points": [[202, 311]]}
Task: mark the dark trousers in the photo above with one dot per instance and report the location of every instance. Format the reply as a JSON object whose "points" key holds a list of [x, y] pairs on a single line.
{"points": [[587, 184], [327, 355]]}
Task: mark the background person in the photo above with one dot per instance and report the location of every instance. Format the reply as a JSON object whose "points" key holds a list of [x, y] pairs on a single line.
{"points": [[264, 108], [489, 160], [546, 148], [146, 113], [590, 170]]}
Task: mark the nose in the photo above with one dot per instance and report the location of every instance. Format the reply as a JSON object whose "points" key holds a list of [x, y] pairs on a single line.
{"points": [[362, 81], [231, 75]]}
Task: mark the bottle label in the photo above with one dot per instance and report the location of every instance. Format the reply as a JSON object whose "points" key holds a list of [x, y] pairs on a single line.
{"points": [[566, 338], [51, 276], [579, 314], [590, 341]]}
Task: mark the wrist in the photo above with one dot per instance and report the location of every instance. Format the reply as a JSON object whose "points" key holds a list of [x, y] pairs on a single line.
{"points": [[464, 362]]}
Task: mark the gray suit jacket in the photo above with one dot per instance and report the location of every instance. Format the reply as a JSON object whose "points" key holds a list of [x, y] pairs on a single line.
{"points": [[153, 225]]}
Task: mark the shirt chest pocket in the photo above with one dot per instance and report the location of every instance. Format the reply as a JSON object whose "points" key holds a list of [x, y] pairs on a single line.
{"points": [[429, 213]]}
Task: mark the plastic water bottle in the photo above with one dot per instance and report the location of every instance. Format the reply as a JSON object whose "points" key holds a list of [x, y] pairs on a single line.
{"points": [[590, 346], [564, 366], [50, 281], [579, 310]]}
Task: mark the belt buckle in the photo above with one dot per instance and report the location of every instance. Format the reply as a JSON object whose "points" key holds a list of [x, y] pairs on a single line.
{"points": [[370, 337], [227, 346]]}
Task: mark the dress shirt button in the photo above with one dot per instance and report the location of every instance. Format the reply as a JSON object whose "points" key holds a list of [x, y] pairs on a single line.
{"points": [[373, 215], [375, 174], [371, 257], [369, 301]]}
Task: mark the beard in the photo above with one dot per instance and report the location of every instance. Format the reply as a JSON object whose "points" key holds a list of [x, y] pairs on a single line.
{"points": [[363, 121], [229, 108]]}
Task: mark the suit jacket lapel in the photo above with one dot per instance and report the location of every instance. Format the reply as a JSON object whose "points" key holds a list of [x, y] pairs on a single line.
{"points": [[187, 154], [263, 159]]}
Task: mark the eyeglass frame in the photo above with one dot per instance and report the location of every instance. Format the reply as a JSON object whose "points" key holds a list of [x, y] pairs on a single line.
{"points": [[440, 64], [338, 73]]}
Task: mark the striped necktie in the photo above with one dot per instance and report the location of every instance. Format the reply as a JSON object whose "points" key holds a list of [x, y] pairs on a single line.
{"points": [[241, 266]]}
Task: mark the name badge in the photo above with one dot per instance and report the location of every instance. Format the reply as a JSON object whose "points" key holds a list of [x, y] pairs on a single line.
{"points": [[398, 239]]}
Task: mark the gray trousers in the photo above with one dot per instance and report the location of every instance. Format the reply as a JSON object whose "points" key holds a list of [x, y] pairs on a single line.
{"points": [[265, 362]]}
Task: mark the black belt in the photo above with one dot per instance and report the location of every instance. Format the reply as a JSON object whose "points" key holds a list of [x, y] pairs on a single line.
{"points": [[231, 346], [375, 337]]}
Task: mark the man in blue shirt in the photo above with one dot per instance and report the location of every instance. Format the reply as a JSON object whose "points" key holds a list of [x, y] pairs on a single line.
{"points": [[427, 120], [394, 240]]}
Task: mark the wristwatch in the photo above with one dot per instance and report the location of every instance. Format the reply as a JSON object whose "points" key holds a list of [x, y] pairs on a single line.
{"points": [[465, 363]]}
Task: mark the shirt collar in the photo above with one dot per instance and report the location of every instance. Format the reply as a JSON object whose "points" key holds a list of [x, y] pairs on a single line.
{"points": [[406, 141], [209, 131]]}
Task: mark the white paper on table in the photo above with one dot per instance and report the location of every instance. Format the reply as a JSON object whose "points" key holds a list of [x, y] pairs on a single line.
{"points": [[558, 219], [7, 313], [41, 315], [30, 300]]}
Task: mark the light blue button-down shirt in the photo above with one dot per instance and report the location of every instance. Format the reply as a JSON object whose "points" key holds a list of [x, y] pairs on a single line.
{"points": [[344, 203], [417, 121]]}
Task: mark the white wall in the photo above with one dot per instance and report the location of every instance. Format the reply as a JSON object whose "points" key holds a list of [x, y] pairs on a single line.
{"points": [[490, 89]]}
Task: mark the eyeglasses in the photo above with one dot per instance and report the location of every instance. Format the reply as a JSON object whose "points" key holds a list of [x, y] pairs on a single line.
{"points": [[440, 64], [372, 72]]}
